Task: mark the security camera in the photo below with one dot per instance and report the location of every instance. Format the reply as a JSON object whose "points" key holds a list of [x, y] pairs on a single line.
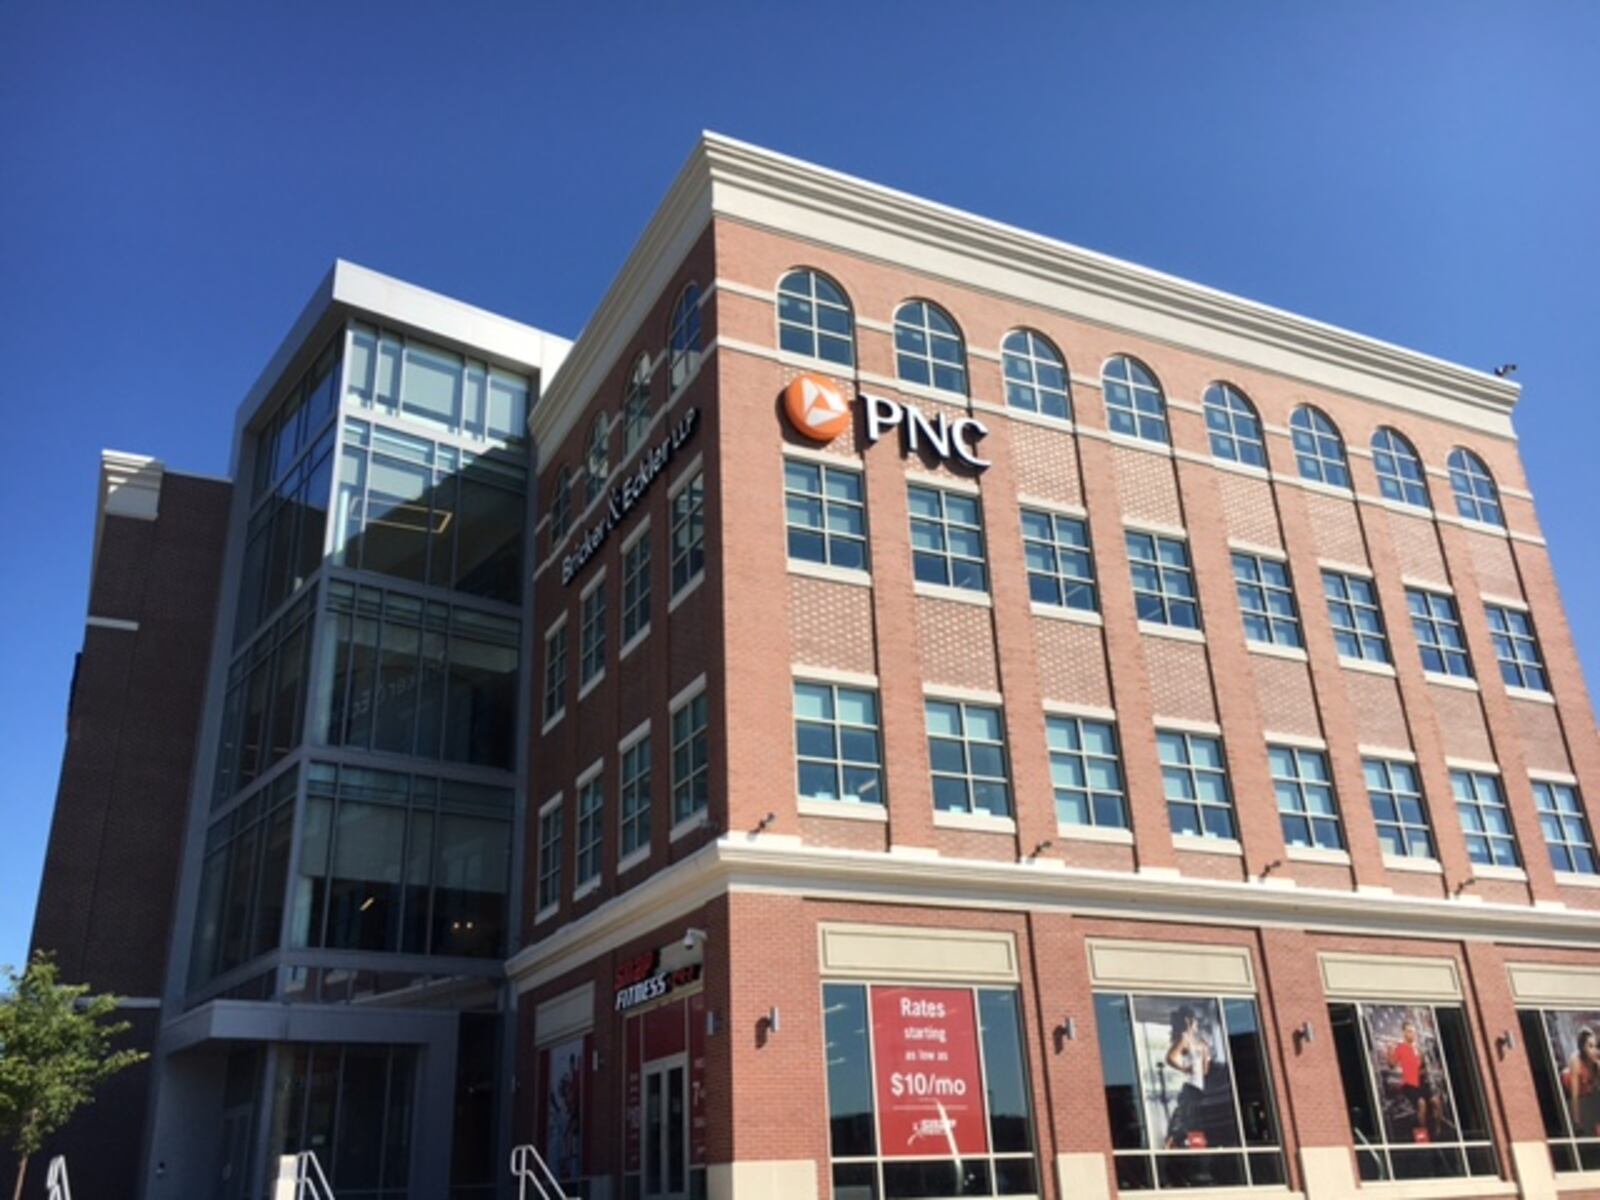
{"points": [[693, 937]]}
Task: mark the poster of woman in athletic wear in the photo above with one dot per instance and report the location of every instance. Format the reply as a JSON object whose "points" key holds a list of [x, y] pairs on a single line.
{"points": [[1575, 1043], [1183, 1060], [1413, 1090]]}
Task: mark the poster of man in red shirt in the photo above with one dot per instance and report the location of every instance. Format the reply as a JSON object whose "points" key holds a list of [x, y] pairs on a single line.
{"points": [[1413, 1088]]}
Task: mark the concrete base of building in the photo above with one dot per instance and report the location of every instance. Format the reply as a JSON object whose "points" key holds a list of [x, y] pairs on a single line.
{"points": [[774, 1179]]}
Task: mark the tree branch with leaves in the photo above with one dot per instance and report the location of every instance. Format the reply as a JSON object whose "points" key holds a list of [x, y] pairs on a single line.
{"points": [[55, 1050]]}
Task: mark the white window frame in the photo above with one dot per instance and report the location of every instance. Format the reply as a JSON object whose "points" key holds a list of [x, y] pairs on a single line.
{"points": [[587, 683], [547, 871], [639, 536], [553, 717]]}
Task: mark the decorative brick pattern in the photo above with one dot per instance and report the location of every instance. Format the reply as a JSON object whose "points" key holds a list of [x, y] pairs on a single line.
{"points": [[1338, 533], [1046, 463], [1460, 716], [832, 624], [1145, 486], [1375, 700], [1072, 662], [1542, 743], [1180, 683], [1417, 545], [1284, 690], [1248, 509], [957, 643]]}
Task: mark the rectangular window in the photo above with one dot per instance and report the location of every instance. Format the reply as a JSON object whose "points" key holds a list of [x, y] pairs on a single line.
{"points": [[691, 762], [1060, 567], [1306, 804], [636, 588], [967, 751], [1356, 619], [826, 514], [1516, 648], [550, 855], [1266, 600], [1566, 829], [947, 539], [688, 533], [635, 807], [1397, 808], [838, 749], [1188, 1093], [1564, 1056], [1485, 819], [1438, 630], [1194, 777], [592, 634], [1086, 773], [1163, 584], [555, 672], [928, 1092], [1411, 1087], [591, 830]]}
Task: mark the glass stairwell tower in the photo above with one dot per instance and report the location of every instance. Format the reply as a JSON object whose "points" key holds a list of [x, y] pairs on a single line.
{"points": [[349, 889]]}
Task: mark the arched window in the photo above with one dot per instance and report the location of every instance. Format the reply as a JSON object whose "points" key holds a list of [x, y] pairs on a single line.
{"points": [[1134, 404], [560, 506], [1318, 448], [1036, 376], [636, 405], [814, 318], [683, 343], [1477, 499], [1234, 426], [927, 347], [1400, 474], [598, 458]]}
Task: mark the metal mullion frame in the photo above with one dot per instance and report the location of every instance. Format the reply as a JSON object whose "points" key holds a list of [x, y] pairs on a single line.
{"points": [[338, 1114], [1376, 1094], [1233, 1086], [383, 1136], [1450, 1083], [872, 1073], [983, 1083]]}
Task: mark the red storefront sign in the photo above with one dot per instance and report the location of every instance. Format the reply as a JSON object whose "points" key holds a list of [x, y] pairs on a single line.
{"points": [[928, 1078]]}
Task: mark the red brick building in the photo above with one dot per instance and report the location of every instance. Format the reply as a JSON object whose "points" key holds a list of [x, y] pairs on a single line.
{"points": [[1142, 748]]}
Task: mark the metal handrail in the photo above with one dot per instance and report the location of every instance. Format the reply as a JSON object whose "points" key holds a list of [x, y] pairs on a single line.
{"points": [[56, 1179], [528, 1166], [309, 1181]]}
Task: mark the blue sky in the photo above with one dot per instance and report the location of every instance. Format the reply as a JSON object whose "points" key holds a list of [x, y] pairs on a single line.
{"points": [[177, 180]]}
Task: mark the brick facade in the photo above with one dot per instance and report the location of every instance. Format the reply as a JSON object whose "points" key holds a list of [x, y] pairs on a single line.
{"points": [[767, 871]]}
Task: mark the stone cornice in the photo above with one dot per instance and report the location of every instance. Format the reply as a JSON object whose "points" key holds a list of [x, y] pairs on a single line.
{"points": [[768, 863]]}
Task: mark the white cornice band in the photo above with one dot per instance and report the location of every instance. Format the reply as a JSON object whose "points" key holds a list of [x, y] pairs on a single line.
{"points": [[785, 866]]}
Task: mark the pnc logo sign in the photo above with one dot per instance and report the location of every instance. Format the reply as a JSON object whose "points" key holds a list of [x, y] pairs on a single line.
{"points": [[818, 410]]}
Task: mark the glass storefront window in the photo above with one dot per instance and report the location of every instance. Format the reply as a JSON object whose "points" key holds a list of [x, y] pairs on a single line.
{"points": [[242, 881], [1411, 1087], [927, 1092], [429, 513], [353, 1105], [1564, 1055], [395, 862], [264, 708], [419, 678], [405, 377], [1187, 1092]]}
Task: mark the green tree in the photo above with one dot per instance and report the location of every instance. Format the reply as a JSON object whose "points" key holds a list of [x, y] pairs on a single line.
{"points": [[55, 1049]]}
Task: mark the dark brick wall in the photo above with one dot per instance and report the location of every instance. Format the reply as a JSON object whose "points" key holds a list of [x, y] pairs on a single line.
{"points": [[116, 839]]}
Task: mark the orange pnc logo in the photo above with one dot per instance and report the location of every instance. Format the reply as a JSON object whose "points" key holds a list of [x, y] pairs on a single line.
{"points": [[816, 408]]}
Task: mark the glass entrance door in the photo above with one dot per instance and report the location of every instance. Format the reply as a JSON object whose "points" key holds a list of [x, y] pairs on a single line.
{"points": [[666, 1129]]}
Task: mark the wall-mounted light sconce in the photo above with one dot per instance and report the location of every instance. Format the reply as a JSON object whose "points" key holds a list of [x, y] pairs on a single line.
{"points": [[1464, 885], [774, 1019], [1042, 847], [1506, 1041], [1305, 1034], [766, 822], [711, 1023], [1069, 1029], [693, 937], [594, 1060]]}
